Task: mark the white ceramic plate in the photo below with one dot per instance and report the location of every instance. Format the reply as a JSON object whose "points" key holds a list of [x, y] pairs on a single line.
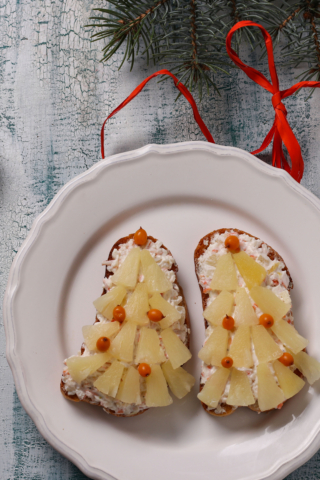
{"points": [[178, 193]]}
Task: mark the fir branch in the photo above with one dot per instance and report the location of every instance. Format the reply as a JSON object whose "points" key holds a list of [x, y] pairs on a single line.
{"points": [[309, 15], [130, 21], [304, 46], [188, 36], [234, 12], [289, 18]]}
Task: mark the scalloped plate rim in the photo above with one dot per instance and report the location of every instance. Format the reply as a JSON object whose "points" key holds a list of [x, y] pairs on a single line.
{"points": [[281, 468]]}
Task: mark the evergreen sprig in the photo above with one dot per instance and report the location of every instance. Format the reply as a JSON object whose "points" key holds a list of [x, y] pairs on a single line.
{"points": [[188, 36]]}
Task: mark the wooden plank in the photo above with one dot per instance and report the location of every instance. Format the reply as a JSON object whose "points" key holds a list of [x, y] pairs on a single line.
{"points": [[54, 97]]}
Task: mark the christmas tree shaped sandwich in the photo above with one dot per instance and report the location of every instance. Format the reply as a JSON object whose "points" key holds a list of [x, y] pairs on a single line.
{"points": [[252, 355], [140, 339]]}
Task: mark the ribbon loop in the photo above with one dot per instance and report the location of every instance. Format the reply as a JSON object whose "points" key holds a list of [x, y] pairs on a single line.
{"points": [[281, 131], [180, 86]]}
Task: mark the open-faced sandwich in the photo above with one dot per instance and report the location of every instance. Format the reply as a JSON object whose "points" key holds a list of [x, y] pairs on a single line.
{"points": [[141, 335], [252, 354]]}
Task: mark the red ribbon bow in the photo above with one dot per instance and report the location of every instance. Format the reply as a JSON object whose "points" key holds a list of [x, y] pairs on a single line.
{"points": [[280, 130], [182, 88]]}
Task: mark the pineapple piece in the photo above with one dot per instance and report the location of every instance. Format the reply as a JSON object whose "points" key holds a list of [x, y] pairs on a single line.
{"points": [[244, 313], [81, 367], [122, 345], [269, 394], [179, 381], [157, 394], [170, 313], [267, 350], [109, 381], [91, 333], [215, 348], [240, 394], [219, 308], [127, 274], [214, 387], [289, 382], [289, 336], [149, 349], [176, 350], [273, 268], [308, 366], [129, 389], [225, 276], [269, 303], [138, 305], [240, 348], [251, 271], [106, 303], [154, 277]]}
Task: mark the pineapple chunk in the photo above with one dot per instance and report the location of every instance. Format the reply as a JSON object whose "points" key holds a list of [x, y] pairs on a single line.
{"points": [[91, 333], [129, 389], [267, 350], [240, 394], [127, 274], [273, 268], [289, 382], [138, 305], [81, 367], [269, 303], [309, 366], [109, 381], [214, 387], [176, 350], [289, 336], [240, 349], [154, 277], [170, 313], [215, 348], [106, 303], [149, 349], [251, 271], [219, 308], [224, 277], [157, 394], [122, 345], [179, 381], [244, 313], [269, 394]]}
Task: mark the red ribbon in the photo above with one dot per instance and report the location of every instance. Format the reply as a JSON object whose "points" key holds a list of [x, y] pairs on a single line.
{"points": [[280, 130], [182, 88]]}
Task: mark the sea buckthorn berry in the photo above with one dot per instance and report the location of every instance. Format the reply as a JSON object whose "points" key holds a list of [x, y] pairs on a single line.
{"points": [[155, 315], [140, 237], [232, 243], [228, 323], [266, 320], [119, 314], [144, 369], [103, 343], [287, 359], [227, 362]]}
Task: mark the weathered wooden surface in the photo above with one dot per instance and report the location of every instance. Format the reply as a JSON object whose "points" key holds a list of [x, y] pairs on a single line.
{"points": [[54, 97]]}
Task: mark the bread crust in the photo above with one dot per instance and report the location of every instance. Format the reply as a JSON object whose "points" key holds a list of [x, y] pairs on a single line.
{"points": [[200, 249], [175, 269]]}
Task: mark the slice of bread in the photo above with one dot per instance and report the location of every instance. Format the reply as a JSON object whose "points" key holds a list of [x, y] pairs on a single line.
{"points": [[108, 273], [224, 409]]}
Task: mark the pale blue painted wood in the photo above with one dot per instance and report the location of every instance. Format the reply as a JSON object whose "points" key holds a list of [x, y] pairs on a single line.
{"points": [[54, 97]]}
